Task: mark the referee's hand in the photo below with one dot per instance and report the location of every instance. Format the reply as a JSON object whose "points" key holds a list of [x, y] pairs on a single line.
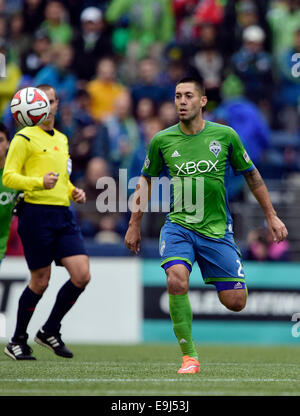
{"points": [[79, 196], [50, 180]]}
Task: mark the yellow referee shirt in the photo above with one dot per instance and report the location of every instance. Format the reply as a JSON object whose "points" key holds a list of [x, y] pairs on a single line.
{"points": [[33, 153]]}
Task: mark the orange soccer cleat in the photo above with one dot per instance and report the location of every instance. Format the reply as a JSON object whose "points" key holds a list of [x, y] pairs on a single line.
{"points": [[190, 365]]}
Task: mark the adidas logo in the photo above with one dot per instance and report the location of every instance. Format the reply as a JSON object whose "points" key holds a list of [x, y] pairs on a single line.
{"points": [[238, 285], [53, 341], [17, 350], [176, 154], [183, 341]]}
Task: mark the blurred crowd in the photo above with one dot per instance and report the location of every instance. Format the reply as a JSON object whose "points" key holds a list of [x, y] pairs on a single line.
{"points": [[115, 64]]}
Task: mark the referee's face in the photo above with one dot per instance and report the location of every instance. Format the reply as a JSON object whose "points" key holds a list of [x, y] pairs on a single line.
{"points": [[53, 105], [188, 101]]}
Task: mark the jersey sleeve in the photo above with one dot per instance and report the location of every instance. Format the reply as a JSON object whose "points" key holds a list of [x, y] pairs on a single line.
{"points": [[239, 159], [13, 176], [153, 164]]}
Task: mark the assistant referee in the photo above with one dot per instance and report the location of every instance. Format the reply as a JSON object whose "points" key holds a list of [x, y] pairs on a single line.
{"points": [[39, 164]]}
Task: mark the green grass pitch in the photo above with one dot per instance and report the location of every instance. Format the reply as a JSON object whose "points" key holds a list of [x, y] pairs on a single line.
{"points": [[150, 370]]}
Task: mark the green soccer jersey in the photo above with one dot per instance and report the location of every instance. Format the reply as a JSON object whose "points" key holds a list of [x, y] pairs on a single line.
{"points": [[7, 200], [198, 166]]}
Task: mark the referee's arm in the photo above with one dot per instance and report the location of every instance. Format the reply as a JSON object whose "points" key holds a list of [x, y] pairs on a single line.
{"points": [[13, 169]]}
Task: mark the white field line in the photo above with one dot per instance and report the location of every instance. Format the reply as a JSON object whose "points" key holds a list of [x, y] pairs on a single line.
{"points": [[150, 380], [119, 393], [161, 364]]}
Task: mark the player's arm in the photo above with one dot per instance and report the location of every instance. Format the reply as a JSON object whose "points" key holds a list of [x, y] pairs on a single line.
{"points": [[141, 198], [258, 188]]}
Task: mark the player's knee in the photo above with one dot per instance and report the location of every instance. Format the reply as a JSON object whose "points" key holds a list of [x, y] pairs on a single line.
{"points": [[176, 284], [236, 306], [235, 302], [39, 282], [81, 279]]}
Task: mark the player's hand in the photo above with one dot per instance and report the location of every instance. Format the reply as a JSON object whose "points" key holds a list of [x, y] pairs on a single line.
{"points": [[277, 229], [50, 180], [78, 196], [133, 239]]}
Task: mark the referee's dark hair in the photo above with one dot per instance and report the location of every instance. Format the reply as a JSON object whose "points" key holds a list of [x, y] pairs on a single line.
{"points": [[197, 81], [4, 129], [44, 87]]}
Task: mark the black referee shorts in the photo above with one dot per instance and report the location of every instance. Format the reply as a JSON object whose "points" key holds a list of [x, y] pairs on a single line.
{"points": [[48, 233]]}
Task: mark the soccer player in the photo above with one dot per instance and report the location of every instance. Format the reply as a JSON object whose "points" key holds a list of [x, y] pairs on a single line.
{"points": [[198, 155], [38, 163], [7, 195]]}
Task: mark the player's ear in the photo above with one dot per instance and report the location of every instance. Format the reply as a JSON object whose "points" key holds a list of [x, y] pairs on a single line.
{"points": [[203, 101]]}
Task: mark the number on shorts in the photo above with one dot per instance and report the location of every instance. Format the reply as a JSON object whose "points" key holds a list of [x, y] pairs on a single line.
{"points": [[240, 269]]}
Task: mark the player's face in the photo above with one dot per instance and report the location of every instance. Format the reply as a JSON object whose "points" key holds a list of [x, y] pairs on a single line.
{"points": [[188, 101]]}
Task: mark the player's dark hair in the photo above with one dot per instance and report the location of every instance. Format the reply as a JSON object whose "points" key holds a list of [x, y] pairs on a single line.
{"points": [[197, 81], [44, 87], [4, 129]]}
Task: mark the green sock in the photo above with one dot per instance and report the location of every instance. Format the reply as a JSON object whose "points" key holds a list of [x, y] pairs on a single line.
{"points": [[182, 316]]}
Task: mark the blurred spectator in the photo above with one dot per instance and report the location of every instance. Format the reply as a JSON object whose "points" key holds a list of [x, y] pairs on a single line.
{"points": [[88, 142], [283, 18], [174, 70], [207, 38], [145, 109], [10, 7], [151, 26], [183, 12], [91, 43], [33, 13], [167, 114], [209, 64], [59, 73], [38, 56], [152, 221], [260, 247], [123, 134], [3, 28], [246, 118], [148, 85], [208, 11], [253, 65], [104, 89], [151, 127], [88, 139], [18, 40], [91, 220], [9, 83], [288, 93], [238, 15], [55, 23]]}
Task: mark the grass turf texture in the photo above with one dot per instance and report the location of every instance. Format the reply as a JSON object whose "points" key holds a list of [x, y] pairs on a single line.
{"points": [[150, 370]]}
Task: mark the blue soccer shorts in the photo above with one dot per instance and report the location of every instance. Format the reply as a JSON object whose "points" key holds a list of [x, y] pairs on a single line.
{"points": [[48, 233], [219, 259]]}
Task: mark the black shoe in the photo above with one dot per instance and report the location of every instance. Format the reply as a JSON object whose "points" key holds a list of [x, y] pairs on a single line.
{"points": [[19, 349], [54, 343]]}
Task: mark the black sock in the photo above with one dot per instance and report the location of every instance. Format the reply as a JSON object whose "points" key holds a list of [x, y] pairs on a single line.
{"points": [[65, 299], [27, 304]]}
